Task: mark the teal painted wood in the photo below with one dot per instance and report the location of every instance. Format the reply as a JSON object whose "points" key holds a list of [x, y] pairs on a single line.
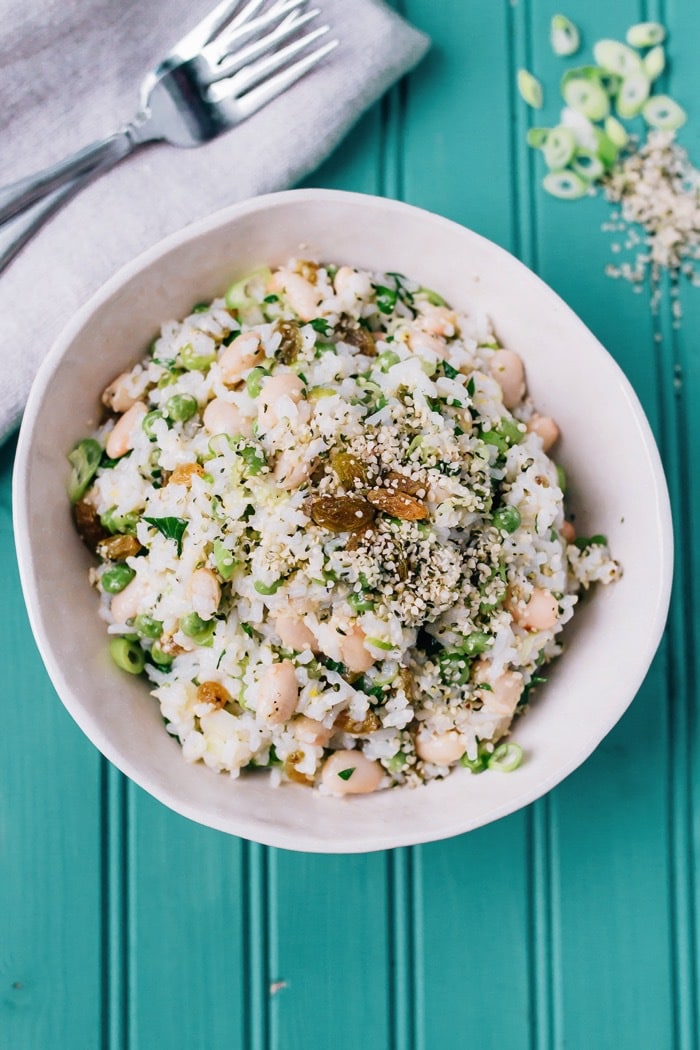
{"points": [[571, 924]]}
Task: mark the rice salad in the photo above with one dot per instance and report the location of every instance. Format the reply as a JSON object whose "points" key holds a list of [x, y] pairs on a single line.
{"points": [[329, 531]]}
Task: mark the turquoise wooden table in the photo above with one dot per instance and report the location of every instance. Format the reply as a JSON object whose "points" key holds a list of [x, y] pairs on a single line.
{"points": [[570, 924]]}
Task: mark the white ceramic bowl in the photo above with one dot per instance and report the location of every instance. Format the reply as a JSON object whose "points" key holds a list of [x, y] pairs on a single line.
{"points": [[607, 448]]}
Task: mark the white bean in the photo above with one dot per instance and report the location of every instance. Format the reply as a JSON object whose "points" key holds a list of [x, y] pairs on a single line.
{"points": [[568, 532], [502, 698], [291, 471], [509, 372], [353, 654], [437, 320], [243, 353], [127, 604], [423, 342], [545, 428], [122, 438], [539, 614], [350, 773], [303, 297], [118, 395], [205, 592], [309, 731], [294, 634], [443, 748], [278, 693], [222, 417], [284, 384]]}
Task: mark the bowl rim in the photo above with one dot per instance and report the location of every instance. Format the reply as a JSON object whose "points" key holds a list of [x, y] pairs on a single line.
{"points": [[301, 839]]}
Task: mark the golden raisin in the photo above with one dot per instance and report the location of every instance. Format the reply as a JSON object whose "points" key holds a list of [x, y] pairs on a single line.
{"points": [[213, 693], [291, 343], [369, 724], [395, 481], [119, 547], [341, 513], [358, 337], [307, 269], [293, 773], [348, 469], [398, 504], [182, 475], [88, 524]]}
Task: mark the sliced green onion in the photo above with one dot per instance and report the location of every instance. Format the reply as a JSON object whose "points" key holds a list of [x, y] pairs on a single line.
{"points": [[254, 381], [238, 296], [645, 34], [662, 112], [566, 185], [633, 93], [359, 602], [122, 523], [616, 57], [506, 758], [530, 89], [507, 519], [318, 392], [564, 35], [84, 460], [587, 164], [587, 96], [474, 765], [433, 298], [148, 423], [194, 362], [616, 132], [654, 62], [268, 588], [387, 359], [559, 148], [536, 137], [127, 655], [606, 150], [254, 459], [116, 578], [475, 643], [378, 643]]}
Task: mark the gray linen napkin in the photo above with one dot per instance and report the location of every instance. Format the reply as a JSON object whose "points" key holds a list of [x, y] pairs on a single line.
{"points": [[69, 73]]}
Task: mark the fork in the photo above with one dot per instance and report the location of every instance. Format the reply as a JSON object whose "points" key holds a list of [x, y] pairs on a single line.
{"points": [[236, 60]]}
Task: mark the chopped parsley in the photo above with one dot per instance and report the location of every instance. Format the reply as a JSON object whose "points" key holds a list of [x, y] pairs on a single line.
{"points": [[345, 774], [171, 528], [320, 325]]}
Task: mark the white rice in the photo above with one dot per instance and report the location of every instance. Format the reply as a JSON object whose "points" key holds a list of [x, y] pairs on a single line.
{"points": [[392, 383]]}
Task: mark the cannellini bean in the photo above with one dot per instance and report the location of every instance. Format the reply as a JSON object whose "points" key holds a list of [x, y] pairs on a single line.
{"points": [[502, 698], [127, 604], [118, 395], [442, 748], [352, 650], [421, 342], [568, 532], [205, 592], [121, 439], [243, 353], [539, 614], [344, 279], [291, 471], [366, 775], [294, 634], [278, 693], [309, 731], [303, 296], [221, 417], [546, 428], [284, 384], [509, 372], [437, 320]]}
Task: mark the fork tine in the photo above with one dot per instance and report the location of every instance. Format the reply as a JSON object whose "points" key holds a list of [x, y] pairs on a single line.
{"points": [[236, 34], [254, 99], [227, 66], [247, 78], [200, 35]]}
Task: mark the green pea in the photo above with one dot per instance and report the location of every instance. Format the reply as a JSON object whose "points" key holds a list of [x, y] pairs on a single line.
{"points": [[475, 643], [115, 579], [359, 602], [148, 422], [224, 559], [180, 407], [84, 460], [128, 655], [387, 359], [120, 523], [254, 380], [268, 588], [199, 630], [194, 362], [507, 518], [454, 668], [162, 659], [148, 626]]}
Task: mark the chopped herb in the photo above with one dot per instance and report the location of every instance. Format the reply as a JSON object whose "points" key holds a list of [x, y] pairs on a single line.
{"points": [[321, 325], [449, 371], [247, 629], [471, 386], [345, 774], [171, 528], [334, 665], [583, 542], [386, 298], [272, 298]]}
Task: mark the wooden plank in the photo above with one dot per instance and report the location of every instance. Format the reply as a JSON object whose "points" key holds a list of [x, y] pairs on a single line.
{"points": [[50, 852]]}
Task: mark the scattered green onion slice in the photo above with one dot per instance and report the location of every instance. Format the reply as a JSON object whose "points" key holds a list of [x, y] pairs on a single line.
{"points": [[616, 132], [662, 112], [616, 57], [645, 34], [566, 185], [84, 460], [506, 758], [475, 643], [254, 381], [148, 422], [654, 62], [530, 89], [587, 164], [127, 655], [238, 296], [605, 148], [474, 765], [507, 518], [268, 588], [378, 643], [224, 560], [587, 96], [387, 359], [559, 148], [633, 93], [194, 362], [536, 137], [564, 35], [359, 602]]}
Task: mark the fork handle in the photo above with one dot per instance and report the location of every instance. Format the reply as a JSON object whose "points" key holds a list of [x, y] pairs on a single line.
{"points": [[19, 196]]}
